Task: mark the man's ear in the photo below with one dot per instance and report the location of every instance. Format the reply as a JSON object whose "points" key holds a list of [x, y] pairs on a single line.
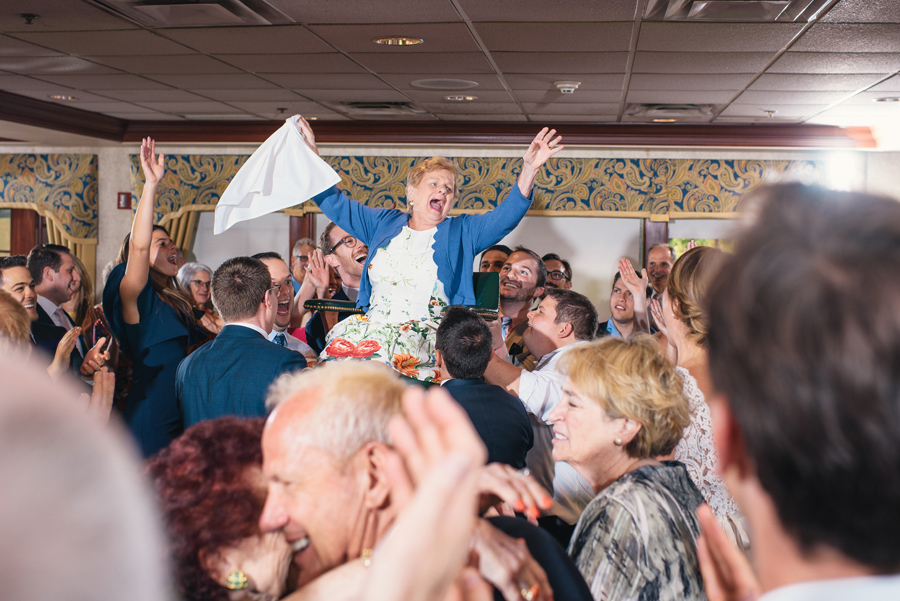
{"points": [[374, 458], [438, 358], [565, 330], [47, 274], [331, 260], [729, 441], [538, 292]]}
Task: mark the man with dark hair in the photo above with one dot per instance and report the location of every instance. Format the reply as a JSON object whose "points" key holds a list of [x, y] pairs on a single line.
{"points": [[493, 258], [55, 279], [559, 272], [231, 374], [621, 308], [660, 259], [16, 280], [281, 279], [807, 418], [346, 255], [563, 318], [463, 352], [522, 280]]}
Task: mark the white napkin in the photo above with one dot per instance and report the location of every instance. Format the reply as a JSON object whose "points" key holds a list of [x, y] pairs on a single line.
{"points": [[282, 173]]}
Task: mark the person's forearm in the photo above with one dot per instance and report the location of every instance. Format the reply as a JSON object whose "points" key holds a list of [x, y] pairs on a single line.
{"points": [[142, 227], [503, 374], [307, 292], [526, 180]]}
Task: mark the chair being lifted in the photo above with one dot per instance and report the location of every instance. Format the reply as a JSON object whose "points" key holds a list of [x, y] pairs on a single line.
{"points": [[487, 299]]}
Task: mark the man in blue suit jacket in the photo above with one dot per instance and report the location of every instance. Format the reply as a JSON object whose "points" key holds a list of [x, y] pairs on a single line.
{"points": [[231, 374], [463, 352]]}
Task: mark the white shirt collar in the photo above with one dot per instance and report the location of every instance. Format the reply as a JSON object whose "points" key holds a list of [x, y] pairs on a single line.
{"points": [[352, 293], [50, 307], [251, 326]]}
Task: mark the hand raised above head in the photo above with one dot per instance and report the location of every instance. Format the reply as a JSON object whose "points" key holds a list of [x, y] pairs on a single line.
{"points": [[636, 284], [152, 165], [542, 148], [308, 136]]}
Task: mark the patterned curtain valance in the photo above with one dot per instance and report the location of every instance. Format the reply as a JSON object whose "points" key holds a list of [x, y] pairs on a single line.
{"points": [[61, 187], [655, 188]]}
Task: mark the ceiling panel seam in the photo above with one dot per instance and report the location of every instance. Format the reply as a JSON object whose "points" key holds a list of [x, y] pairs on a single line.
{"points": [[639, 8]]}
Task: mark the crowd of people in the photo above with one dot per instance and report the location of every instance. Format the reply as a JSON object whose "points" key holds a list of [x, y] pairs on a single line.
{"points": [[731, 432]]}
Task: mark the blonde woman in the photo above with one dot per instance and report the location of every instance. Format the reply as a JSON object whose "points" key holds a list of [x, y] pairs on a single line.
{"points": [[621, 408]]}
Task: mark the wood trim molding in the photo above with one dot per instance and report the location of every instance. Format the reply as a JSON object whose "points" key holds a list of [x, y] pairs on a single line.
{"points": [[30, 111]]}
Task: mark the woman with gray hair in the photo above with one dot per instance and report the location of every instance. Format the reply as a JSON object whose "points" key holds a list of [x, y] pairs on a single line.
{"points": [[620, 410], [194, 278]]}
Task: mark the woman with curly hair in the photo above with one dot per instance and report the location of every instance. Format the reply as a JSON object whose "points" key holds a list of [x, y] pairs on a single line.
{"points": [[211, 491]]}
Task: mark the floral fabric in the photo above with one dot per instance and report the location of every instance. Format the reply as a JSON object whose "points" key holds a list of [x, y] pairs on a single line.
{"points": [[406, 303]]}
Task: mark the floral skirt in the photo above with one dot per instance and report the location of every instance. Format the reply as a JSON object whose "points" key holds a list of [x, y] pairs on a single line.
{"points": [[408, 347]]}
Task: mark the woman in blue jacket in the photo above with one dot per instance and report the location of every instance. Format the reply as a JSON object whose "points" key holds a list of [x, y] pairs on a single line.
{"points": [[419, 261]]}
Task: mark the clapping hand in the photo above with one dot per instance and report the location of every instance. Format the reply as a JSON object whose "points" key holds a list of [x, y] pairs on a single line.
{"points": [[95, 359], [63, 353]]}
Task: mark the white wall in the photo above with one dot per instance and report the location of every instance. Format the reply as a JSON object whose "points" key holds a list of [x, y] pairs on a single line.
{"points": [[263, 234]]}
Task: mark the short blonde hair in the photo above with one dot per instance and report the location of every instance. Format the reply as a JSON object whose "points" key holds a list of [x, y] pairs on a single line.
{"points": [[688, 282], [428, 166], [356, 401], [631, 378]]}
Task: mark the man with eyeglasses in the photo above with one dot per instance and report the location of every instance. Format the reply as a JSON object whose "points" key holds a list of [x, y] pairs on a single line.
{"points": [[346, 255], [559, 272], [300, 255], [231, 374]]}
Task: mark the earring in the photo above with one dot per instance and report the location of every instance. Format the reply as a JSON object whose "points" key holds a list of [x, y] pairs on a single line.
{"points": [[237, 581], [618, 442]]}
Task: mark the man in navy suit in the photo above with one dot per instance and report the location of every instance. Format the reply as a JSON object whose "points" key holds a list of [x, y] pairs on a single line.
{"points": [[231, 374], [463, 352]]}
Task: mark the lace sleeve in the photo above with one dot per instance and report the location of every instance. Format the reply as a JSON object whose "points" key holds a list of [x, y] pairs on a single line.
{"points": [[698, 453]]}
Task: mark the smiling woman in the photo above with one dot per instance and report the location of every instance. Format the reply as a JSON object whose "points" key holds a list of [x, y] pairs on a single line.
{"points": [[421, 261]]}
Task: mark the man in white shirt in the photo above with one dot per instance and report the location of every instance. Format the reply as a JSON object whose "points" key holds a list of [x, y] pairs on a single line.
{"points": [[804, 349], [281, 277], [563, 318]]}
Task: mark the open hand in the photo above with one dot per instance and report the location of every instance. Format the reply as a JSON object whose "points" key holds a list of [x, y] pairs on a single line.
{"points": [[153, 166], [541, 149], [63, 353], [636, 284]]}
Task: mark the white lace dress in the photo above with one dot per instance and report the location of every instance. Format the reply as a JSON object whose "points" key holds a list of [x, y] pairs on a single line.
{"points": [[697, 452], [405, 309]]}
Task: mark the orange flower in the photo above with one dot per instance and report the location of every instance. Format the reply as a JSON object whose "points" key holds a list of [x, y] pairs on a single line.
{"points": [[437, 377], [406, 365]]}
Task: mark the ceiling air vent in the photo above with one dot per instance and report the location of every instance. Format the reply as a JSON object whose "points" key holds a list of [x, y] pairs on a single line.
{"points": [[378, 109], [747, 11], [677, 111], [193, 13]]}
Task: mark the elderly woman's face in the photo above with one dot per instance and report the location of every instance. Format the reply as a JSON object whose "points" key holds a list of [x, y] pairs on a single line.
{"points": [[583, 433], [200, 287], [432, 198]]}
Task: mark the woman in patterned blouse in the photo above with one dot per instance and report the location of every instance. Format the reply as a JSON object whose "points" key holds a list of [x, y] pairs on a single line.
{"points": [[622, 406]]}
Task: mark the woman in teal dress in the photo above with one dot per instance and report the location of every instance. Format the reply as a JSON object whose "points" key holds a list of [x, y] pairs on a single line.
{"points": [[151, 317]]}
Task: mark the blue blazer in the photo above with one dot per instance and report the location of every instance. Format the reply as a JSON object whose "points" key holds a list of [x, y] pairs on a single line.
{"points": [[231, 374], [457, 241], [498, 417]]}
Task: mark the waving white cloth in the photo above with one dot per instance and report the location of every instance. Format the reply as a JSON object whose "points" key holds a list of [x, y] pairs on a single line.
{"points": [[283, 172]]}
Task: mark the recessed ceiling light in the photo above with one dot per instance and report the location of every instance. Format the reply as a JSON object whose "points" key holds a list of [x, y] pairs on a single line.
{"points": [[444, 84], [65, 97], [460, 98], [665, 120], [399, 41], [888, 99]]}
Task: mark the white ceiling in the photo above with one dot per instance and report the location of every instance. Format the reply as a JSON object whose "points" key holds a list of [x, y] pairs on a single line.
{"points": [[826, 72]]}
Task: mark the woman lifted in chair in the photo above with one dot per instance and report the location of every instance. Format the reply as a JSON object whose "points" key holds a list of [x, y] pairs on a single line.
{"points": [[419, 261]]}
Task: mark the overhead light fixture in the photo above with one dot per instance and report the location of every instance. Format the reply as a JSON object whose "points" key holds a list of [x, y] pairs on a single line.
{"points": [[665, 120], [460, 98], [744, 11], [888, 99], [399, 41], [64, 97]]}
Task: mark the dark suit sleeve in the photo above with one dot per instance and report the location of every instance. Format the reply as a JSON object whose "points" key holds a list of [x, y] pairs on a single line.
{"points": [[315, 333], [564, 577], [294, 362]]}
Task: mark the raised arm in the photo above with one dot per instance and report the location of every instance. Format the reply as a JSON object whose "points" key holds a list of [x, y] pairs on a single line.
{"points": [[637, 286], [138, 268], [539, 151]]}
